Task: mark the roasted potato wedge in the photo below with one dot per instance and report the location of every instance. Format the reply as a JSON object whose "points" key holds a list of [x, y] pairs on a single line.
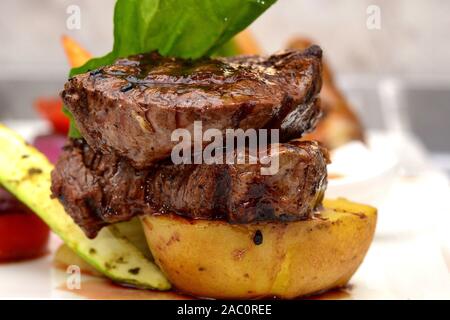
{"points": [[221, 260]]}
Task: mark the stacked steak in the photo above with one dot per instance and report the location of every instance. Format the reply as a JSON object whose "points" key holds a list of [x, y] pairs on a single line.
{"points": [[127, 112]]}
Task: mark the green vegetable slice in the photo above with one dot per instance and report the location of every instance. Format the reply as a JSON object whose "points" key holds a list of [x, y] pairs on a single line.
{"points": [[133, 231], [25, 172]]}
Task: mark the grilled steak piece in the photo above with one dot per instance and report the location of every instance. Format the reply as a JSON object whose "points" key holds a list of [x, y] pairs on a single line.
{"points": [[97, 190], [132, 107]]}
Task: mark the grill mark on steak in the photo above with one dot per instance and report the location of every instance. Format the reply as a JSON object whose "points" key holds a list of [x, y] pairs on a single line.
{"points": [[163, 94], [256, 204], [221, 195], [100, 189], [240, 114]]}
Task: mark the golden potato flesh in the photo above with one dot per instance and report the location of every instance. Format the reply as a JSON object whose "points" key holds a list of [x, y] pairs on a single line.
{"points": [[220, 260]]}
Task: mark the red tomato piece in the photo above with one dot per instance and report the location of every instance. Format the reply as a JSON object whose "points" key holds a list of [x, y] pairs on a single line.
{"points": [[23, 235], [51, 109]]}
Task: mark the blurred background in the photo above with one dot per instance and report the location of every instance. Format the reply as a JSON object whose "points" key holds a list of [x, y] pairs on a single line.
{"points": [[394, 70]]}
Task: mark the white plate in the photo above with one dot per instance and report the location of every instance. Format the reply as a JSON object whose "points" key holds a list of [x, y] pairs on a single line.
{"points": [[363, 172]]}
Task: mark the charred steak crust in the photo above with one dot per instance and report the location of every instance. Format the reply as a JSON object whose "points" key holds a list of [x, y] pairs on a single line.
{"points": [[131, 107], [97, 190]]}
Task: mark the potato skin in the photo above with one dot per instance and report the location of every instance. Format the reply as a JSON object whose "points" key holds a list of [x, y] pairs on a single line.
{"points": [[216, 259]]}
